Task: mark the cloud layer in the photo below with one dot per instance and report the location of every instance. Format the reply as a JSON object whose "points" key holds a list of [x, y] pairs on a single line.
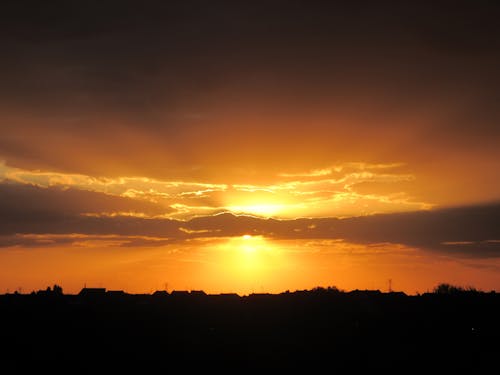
{"points": [[33, 216], [341, 190]]}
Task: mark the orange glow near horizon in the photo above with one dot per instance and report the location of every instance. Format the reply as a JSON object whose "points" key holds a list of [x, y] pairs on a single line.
{"points": [[242, 264], [139, 257]]}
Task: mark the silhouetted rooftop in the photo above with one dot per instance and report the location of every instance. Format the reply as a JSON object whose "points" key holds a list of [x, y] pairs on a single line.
{"points": [[160, 293], [179, 293], [199, 293], [116, 293], [93, 292]]}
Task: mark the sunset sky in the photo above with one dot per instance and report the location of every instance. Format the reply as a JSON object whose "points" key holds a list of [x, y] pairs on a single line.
{"points": [[245, 146]]}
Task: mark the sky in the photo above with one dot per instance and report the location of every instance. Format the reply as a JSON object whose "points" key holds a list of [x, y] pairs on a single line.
{"points": [[242, 146]]}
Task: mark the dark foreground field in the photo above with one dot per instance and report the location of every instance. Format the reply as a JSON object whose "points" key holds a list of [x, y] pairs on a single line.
{"points": [[116, 333]]}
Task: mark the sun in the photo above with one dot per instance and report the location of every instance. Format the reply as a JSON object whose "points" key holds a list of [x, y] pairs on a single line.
{"points": [[249, 251], [250, 244], [265, 202]]}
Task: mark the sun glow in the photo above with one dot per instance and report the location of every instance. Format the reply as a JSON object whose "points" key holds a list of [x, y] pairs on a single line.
{"points": [[249, 244], [250, 257], [263, 209]]}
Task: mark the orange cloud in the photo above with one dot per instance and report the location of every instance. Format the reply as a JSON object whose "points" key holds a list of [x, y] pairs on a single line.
{"points": [[309, 194]]}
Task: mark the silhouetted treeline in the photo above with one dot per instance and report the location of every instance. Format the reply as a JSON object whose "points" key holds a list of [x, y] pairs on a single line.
{"points": [[99, 331]]}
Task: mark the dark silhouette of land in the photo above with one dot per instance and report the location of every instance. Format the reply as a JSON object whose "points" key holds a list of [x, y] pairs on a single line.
{"points": [[99, 331]]}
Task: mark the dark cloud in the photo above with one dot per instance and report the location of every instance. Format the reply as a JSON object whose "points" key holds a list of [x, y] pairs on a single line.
{"points": [[469, 230], [465, 231], [443, 229], [36, 210], [44, 240], [91, 75], [20, 203]]}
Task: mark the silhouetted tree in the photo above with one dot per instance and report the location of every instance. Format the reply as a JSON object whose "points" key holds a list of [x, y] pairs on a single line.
{"points": [[57, 289], [445, 288]]}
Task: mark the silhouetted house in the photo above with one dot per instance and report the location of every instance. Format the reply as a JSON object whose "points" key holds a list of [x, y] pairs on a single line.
{"points": [[160, 293], [198, 293], [92, 292], [49, 292], [226, 297], [180, 294], [116, 293], [365, 293], [43, 293], [261, 295], [397, 294]]}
